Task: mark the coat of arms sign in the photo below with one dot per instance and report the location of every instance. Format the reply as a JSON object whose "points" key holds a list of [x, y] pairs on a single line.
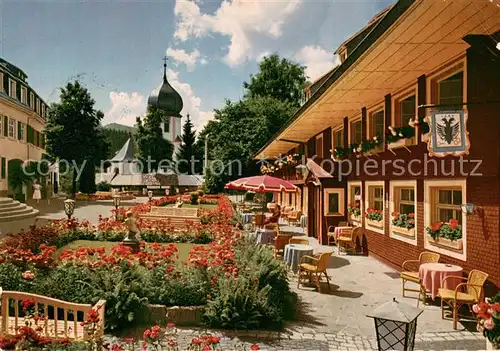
{"points": [[448, 134]]}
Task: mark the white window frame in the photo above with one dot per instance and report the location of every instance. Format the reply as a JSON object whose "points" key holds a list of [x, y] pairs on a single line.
{"points": [[350, 196], [320, 136], [24, 95], [11, 124], [43, 110], [12, 94], [38, 105], [430, 186], [368, 185], [369, 122], [1, 82], [341, 197], [394, 187], [23, 131], [335, 131], [351, 122], [32, 101]]}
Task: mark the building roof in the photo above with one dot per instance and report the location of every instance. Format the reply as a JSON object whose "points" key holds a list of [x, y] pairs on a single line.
{"points": [[166, 98], [126, 153], [190, 180]]}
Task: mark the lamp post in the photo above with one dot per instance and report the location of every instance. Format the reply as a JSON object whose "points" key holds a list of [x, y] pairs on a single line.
{"points": [[395, 325], [69, 207], [167, 191], [150, 195], [116, 201]]}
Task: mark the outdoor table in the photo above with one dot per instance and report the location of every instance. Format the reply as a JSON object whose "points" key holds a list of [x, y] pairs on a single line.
{"points": [[432, 275], [247, 217], [293, 254], [265, 236]]}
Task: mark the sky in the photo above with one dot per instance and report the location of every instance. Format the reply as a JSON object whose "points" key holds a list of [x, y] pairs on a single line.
{"points": [[115, 48]]}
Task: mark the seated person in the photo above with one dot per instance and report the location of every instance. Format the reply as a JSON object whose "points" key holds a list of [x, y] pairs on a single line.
{"points": [[275, 216]]}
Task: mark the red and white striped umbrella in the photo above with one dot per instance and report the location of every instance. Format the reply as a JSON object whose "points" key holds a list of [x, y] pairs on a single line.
{"points": [[262, 184]]}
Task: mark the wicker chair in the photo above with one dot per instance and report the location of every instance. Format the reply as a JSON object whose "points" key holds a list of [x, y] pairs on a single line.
{"points": [[456, 298], [315, 269], [279, 244], [331, 231], [294, 217], [258, 220], [299, 241], [410, 272], [347, 238]]}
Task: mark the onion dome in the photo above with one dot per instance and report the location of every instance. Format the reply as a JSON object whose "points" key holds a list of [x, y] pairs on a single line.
{"points": [[166, 98]]}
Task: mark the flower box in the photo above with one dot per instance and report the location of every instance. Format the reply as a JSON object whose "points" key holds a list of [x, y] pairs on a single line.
{"points": [[377, 224], [447, 243], [400, 143], [410, 233], [356, 218]]}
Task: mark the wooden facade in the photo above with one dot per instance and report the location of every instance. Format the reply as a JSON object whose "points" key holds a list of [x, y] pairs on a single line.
{"points": [[411, 57]]}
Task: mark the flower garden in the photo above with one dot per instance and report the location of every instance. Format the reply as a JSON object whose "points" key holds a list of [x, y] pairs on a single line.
{"points": [[238, 284]]}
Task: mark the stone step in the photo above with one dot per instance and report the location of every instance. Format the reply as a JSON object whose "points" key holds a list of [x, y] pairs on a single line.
{"points": [[5, 200], [21, 209], [17, 217], [8, 205]]}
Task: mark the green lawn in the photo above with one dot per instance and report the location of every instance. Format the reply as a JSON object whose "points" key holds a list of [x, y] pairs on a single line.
{"points": [[202, 206], [183, 248]]}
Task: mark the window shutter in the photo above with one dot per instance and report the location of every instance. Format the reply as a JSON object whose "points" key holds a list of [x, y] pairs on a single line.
{"points": [[19, 135], [4, 165], [42, 136], [5, 126]]}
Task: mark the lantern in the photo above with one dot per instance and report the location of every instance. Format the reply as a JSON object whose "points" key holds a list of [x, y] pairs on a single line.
{"points": [[69, 207], [395, 325], [150, 194], [116, 201]]}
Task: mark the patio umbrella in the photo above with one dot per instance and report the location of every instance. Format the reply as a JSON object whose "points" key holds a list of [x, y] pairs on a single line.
{"points": [[262, 184]]}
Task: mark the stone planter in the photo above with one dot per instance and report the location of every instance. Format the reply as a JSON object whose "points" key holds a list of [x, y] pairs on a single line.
{"points": [[179, 315], [376, 224], [400, 143], [409, 233], [447, 243]]}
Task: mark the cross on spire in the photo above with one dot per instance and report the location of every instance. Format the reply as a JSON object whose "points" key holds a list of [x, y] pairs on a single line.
{"points": [[165, 59]]}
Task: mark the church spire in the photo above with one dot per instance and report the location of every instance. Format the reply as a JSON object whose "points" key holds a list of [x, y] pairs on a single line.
{"points": [[165, 59]]}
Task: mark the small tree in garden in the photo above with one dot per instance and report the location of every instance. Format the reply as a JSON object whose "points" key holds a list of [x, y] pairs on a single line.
{"points": [[187, 149]]}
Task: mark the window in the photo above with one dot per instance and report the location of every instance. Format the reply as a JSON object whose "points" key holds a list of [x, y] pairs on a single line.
{"points": [[377, 124], [407, 110], [334, 202], [12, 127], [354, 200], [338, 138], [355, 132], [38, 105], [43, 110], [166, 127], [376, 195], [319, 146], [24, 95], [451, 89], [3, 173], [32, 100], [12, 88], [406, 200], [1, 82], [447, 204], [20, 131], [1, 125]]}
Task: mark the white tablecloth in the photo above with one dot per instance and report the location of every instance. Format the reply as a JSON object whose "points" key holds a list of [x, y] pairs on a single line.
{"points": [[247, 217], [265, 236], [293, 254]]}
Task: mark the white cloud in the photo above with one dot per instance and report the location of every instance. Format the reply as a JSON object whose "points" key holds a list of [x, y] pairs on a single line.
{"points": [[317, 60], [180, 55], [204, 61], [245, 22], [125, 108]]}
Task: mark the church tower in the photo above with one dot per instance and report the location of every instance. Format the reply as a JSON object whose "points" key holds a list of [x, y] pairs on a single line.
{"points": [[166, 99]]}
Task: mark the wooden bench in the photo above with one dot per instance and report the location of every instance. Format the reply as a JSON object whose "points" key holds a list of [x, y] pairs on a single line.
{"points": [[178, 217], [62, 319]]}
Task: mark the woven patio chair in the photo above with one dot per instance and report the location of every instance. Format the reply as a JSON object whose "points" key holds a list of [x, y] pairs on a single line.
{"points": [[347, 239], [280, 241], [456, 298], [314, 269], [410, 269], [299, 241]]}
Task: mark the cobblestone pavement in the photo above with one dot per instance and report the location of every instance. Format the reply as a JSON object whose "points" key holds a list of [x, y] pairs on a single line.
{"points": [[282, 341]]}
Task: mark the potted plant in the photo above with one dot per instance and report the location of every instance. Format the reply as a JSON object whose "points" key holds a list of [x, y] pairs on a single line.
{"points": [[374, 217], [403, 223], [354, 210], [448, 234], [488, 321], [400, 137]]}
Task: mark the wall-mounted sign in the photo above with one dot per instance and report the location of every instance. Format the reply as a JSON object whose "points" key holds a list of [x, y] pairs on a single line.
{"points": [[449, 135]]}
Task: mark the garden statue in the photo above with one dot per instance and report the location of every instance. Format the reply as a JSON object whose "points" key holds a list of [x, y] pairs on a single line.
{"points": [[133, 235]]}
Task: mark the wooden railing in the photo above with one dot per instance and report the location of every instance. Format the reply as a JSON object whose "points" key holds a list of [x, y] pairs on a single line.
{"points": [[60, 319]]}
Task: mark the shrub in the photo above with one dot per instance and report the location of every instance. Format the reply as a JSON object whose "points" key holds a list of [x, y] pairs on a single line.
{"points": [[194, 196], [103, 186]]}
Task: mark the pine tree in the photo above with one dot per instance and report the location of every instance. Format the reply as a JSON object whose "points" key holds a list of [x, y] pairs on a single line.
{"points": [[187, 149], [150, 142]]}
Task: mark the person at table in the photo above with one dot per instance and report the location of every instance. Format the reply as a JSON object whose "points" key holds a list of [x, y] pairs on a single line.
{"points": [[275, 217]]}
